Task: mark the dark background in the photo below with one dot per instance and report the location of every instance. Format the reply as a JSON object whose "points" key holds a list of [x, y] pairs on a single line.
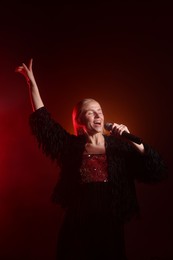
{"points": [[121, 55]]}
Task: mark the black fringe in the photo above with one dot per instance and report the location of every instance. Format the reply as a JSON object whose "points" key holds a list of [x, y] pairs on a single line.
{"points": [[125, 165]]}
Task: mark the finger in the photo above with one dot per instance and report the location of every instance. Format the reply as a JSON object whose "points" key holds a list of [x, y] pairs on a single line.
{"points": [[115, 125], [30, 64], [121, 130], [25, 67]]}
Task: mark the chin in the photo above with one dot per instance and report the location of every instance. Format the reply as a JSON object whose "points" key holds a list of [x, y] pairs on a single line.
{"points": [[99, 130]]}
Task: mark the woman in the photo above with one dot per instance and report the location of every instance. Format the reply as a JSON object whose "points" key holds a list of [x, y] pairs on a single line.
{"points": [[98, 171]]}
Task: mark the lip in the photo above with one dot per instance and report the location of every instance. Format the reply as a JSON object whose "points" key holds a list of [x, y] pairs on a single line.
{"points": [[97, 123]]}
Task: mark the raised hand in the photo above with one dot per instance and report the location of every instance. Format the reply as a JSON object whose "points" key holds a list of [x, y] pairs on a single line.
{"points": [[27, 72]]}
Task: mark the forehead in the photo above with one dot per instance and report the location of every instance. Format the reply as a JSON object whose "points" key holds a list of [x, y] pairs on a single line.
{"points": [[91, 105]]}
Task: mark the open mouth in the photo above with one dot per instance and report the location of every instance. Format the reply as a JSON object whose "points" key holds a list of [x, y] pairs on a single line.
{"points": [[97, 123]]}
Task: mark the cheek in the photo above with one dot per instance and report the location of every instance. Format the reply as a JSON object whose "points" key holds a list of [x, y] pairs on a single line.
{"points": [[87, 119], [88, 123], [90, 120], [84, 122]]}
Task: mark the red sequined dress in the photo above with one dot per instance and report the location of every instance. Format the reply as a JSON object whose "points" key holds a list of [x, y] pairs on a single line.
{"points": [[94, 168], [90, 223]]}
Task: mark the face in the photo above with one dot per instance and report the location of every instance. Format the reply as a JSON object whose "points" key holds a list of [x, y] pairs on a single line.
{"points": [[92, 117]]}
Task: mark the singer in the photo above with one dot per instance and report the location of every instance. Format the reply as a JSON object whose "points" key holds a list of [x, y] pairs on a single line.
{"points": [[96, 186]]}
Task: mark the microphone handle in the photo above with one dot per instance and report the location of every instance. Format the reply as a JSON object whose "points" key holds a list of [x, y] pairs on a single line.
{"points": [[132, 137]]}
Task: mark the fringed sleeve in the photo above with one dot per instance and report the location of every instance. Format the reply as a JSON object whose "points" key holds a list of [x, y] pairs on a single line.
{"points": [[126, 164], [149, 167], [50, 135]]}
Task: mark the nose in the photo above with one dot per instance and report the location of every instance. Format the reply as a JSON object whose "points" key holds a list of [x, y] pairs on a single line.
{"points": [[96, 115]]}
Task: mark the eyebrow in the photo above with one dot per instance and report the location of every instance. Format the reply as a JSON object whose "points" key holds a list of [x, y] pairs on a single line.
{"points": [[99, 108], [91, 109]]}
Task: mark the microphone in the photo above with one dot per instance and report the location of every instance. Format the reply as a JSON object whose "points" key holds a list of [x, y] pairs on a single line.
{"points": [[130, 137]]}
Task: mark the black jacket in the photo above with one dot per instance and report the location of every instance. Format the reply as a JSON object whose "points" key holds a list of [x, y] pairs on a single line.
{"points": [[125, 164]]}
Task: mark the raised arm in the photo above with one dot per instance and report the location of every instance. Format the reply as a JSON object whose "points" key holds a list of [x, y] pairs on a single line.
{"points": [[27, 72]]}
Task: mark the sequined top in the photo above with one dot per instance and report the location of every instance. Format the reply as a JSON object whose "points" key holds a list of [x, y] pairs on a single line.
{"points": [[94, 168]]}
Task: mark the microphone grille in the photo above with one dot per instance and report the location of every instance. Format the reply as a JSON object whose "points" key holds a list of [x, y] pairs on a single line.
{"points": [[108, 126]]}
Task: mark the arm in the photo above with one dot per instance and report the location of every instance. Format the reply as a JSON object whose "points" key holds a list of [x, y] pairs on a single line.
{"points": [[148, 168], [35, 97], [52, 138], [146, 163]]}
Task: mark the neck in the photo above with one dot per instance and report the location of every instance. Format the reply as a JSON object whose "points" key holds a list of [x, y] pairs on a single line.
{"points": [[95, 139]]}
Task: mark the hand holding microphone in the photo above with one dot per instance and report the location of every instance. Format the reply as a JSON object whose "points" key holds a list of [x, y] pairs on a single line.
{"points": [[122, 130]]}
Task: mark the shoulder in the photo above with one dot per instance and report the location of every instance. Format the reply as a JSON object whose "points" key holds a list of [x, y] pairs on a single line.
{"points": [[112, 141]]}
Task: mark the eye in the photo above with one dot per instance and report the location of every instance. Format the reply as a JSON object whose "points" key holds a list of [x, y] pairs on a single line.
{"points": [[89, 113]]}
